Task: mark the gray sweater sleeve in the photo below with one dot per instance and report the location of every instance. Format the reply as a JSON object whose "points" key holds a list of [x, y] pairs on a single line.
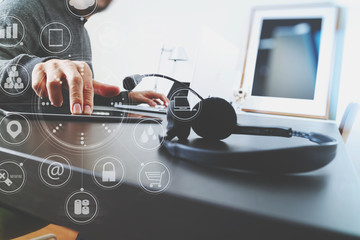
{"points": [[25, 53]]}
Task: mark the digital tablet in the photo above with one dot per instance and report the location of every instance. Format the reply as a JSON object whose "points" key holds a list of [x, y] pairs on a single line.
{"points": [[100, 114]]}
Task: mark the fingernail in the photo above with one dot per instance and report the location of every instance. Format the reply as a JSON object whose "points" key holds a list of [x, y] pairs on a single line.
{"points": [[87, 110], [77, 108]]}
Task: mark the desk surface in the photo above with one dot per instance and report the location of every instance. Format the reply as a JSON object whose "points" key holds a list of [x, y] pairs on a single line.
{"points": [[200, 203]]}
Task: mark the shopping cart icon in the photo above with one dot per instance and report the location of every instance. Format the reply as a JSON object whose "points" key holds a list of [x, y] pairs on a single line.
{"points": [[154, 178]]}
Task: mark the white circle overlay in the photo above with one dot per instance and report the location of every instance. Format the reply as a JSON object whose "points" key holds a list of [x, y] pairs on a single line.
{"points": [[27, 80], [172, 97], [22, 26], [118, 182], [23, 181], [47, 47], [155, 177], [138, 138], [26, 135], [92, 217], [63, 183]]}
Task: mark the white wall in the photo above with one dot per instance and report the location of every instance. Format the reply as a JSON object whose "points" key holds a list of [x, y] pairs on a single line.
{"points": [[350, 75], [127, 37]]}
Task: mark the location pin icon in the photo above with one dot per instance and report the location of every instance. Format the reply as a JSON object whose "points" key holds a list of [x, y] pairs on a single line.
{"points": [[18, 130]]}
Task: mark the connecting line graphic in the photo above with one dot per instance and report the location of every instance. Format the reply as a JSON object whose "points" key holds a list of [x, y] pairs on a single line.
{"points": [[82, 134], [82, 149], [82, 168], [132, 154], [48, 135], [46, 138]]}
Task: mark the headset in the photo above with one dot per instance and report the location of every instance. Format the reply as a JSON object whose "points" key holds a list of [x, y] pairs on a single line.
{"points": [[214, 119]]}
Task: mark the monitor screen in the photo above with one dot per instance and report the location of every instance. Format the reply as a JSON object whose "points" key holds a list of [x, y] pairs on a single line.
{"points": [[287, 59]]}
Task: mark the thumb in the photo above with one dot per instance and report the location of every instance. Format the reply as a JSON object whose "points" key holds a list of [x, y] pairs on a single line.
{"points": [[105, 90]]}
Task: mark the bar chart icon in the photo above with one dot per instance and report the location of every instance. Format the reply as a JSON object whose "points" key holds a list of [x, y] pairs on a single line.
{"points": [[9, 32]]}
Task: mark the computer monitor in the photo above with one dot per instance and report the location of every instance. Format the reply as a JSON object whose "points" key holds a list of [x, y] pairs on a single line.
{"points": [[289, 60]]}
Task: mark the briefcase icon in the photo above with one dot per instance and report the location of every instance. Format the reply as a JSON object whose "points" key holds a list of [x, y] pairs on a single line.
{"points": [[108, 173]]}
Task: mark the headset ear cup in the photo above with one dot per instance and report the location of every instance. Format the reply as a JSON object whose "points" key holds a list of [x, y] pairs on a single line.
{"points": [[217, 119], [175, 127]]}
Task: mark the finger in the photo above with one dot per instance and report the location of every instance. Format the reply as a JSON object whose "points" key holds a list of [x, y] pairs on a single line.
{"points": [[38, 81], [53, 86], [88, 89], [105, 90], [160, 96], [75, 85], [167, 101], [149, 101], [158, 101]]}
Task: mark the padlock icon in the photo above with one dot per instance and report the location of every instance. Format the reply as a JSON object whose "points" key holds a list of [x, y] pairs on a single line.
{"points": [[108, 173]]}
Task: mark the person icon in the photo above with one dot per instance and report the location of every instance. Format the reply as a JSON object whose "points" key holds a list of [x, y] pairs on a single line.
{"points": [[15, 81], [16, 73], [8, 84], [19, 84], [13, 72]]}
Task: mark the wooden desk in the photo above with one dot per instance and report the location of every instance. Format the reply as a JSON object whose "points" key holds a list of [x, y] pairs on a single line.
{"points": [[200, 203]]}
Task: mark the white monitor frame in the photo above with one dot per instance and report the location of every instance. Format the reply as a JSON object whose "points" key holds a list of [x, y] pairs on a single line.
{"points": [[319, 106]]}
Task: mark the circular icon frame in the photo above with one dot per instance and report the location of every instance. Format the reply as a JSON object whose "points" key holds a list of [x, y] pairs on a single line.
{"points": [[143, 123], [156, 178], [67, 211], [118, 182], [46, 48], [23, 35], [173, 96], [54, 164], [27, 80], [27, 135], [23, 174]]}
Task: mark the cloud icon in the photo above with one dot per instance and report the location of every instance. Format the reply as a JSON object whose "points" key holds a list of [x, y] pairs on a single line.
{"points": [[82, 4]]}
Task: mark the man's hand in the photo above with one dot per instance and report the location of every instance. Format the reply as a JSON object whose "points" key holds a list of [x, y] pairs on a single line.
{"points": [[50, 77], [149, 97]]}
